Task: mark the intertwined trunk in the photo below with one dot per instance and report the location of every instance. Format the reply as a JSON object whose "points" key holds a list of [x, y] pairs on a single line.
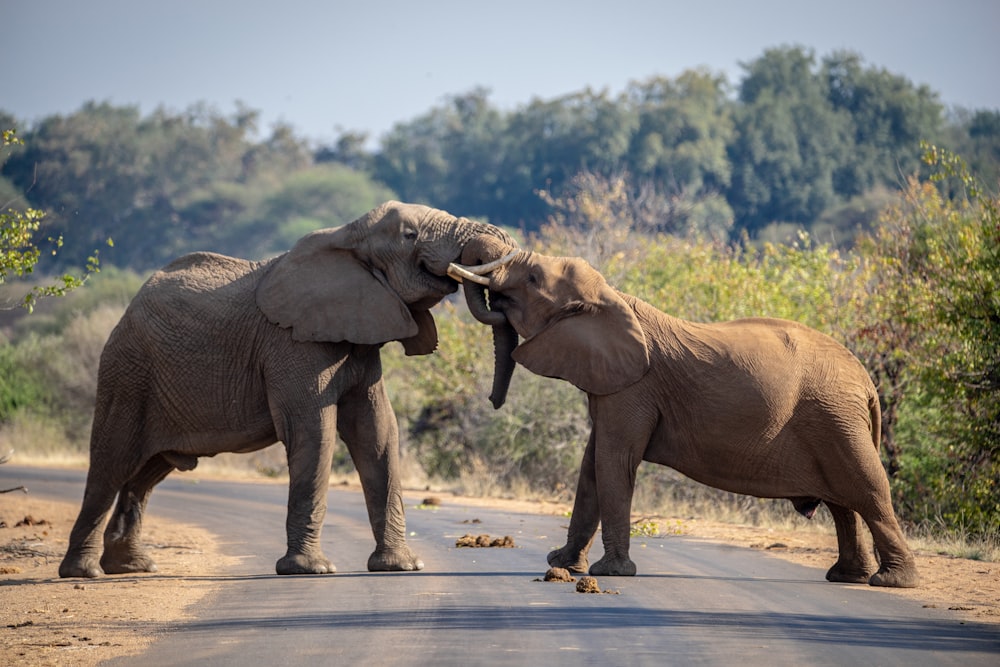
{"points": [[480, 251]]}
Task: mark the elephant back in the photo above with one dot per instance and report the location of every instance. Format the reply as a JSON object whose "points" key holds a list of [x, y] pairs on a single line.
{"points": [[194, 297], [190, 337], [200, 273]]}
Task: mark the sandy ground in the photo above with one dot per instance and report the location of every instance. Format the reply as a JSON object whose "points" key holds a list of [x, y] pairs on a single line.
{"points": [[45, 620]]}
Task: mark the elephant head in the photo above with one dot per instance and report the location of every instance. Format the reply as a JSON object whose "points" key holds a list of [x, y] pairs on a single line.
{"points": [[576, 327], [370, 281]]}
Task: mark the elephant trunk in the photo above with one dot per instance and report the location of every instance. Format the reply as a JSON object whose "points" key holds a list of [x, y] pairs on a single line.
{"points": [[477, 252], [472, 230]]}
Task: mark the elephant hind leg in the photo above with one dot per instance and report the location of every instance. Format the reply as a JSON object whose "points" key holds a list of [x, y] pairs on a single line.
{"points": [[897, 567], [584, 519], [82, 556], [123, 552], [856, 560]]}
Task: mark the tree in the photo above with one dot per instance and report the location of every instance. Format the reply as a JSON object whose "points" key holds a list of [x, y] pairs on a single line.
{"points": [[349, 150], [927, 327], [889, 116], [975, 135], [18, 250], [160, 185], [325, 195], [550, 142], [789, 142], [964, 253], [892, 309], [677, 155], [448, 158], [684, 127]]}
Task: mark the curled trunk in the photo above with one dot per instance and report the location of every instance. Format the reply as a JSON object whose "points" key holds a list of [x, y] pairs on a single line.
{"points": [[504, 335], [504, 341]]}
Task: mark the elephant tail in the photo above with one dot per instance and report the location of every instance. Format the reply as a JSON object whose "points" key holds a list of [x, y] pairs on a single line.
{"points": [[875, 413]]}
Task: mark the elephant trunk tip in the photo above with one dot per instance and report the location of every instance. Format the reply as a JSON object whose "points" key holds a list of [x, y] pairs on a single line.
{"points": [[497, 401]]}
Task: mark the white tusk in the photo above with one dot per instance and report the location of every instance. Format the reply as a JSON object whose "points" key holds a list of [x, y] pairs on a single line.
{"points": [[482, 269], [461, 273]]}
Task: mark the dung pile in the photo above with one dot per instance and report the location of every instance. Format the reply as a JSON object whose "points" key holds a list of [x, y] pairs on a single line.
{"points": [[558, 574], [468, 540]]}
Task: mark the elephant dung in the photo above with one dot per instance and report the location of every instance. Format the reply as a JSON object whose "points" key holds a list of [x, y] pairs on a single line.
{"points": [[558, 574], [469, 540]]}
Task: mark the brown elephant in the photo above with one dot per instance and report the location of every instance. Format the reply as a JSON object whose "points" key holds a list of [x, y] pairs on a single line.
{"points": [[217, 354], [763, 407]]}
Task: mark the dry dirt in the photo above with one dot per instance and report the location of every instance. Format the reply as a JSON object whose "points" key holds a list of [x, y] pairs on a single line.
{"points": [[45, 620]]}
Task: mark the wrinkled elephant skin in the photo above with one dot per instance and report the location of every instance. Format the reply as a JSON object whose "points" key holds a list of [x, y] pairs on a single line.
{"points": [[763, 407], [217, 354]]}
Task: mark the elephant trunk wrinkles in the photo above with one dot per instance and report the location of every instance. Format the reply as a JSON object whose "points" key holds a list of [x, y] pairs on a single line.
{"points": [[479, 251], [444, 237], [465, 233], [504, 343], [474, 230]]}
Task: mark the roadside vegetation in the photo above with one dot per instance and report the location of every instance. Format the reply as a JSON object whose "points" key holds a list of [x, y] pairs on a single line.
{"points": [[708, 205], [917, 300]]}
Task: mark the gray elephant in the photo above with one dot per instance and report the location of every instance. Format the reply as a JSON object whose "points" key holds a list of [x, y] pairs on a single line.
{"points": [[763, 407], [217, 354]]}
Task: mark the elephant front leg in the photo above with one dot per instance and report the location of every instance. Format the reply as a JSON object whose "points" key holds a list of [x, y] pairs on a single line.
{"points": [[616, 505], [368, 427], [584, 520], [619, 442], [310, 452]]}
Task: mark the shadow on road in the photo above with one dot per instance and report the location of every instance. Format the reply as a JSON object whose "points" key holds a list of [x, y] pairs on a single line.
{"points": [[882, 633]]}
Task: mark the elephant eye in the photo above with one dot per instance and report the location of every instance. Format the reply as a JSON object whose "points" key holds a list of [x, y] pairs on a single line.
{"points": [[410, 234]]}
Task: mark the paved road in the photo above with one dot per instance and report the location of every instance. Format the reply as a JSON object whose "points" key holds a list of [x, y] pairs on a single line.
{"points": [[692, 603]]}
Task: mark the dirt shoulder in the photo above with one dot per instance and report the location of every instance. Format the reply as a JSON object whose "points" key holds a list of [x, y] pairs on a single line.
{"points": [[51, 621]]}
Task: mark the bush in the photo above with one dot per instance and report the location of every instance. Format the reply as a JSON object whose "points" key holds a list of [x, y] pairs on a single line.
{"points": [[48, 371], [22, 385], [533, 443]]}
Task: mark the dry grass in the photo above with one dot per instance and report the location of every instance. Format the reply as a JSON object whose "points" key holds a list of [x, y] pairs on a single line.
{"points": [[34, 439], [984, 548]]}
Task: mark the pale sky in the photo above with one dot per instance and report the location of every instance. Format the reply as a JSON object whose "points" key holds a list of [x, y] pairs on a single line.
{"points": [[365, 65]]}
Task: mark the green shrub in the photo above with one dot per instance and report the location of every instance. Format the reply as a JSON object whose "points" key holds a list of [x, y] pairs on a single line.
{"points": [[447, 424], [22, 385]]}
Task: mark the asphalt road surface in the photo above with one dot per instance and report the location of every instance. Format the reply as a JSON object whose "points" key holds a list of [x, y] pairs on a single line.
{"points": [[691, 604]]}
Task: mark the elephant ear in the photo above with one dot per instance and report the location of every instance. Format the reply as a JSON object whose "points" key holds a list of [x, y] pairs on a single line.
{"points": [[426, 339], [323, 292], [598, 346]]}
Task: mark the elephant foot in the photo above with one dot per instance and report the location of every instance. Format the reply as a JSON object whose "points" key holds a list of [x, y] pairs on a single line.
{"points": [[904, 576], [299, 563], [849, 574], [573, 560], [127, 563], [79, 567], [394, 560], [613, 567]]}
